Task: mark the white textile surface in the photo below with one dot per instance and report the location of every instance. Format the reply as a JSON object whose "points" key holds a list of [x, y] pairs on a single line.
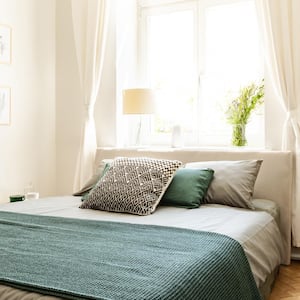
{"points": [[280, 25], [90, 26], [257, 231]]}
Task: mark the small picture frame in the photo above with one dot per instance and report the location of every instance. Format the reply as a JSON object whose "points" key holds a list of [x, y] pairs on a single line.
{"points": [[5, 105], [5, 44]]}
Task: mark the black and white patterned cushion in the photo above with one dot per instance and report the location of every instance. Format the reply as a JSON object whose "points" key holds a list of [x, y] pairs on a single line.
{"points": [[132, 185]]}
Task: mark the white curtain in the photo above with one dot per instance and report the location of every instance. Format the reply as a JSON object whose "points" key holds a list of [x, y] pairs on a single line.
{"points": [[90, 25], [281, 28]]}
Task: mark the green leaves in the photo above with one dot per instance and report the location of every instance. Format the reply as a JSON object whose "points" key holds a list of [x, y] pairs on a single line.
{"points": [[250, 97]]}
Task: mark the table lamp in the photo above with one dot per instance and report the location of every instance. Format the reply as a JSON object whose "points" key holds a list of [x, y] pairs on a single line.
{"points": [[139, 101]]}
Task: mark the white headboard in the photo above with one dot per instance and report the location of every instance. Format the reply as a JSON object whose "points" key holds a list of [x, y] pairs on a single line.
{"points": [[274, 180]]}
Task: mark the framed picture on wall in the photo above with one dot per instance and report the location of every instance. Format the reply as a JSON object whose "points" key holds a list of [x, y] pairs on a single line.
{"points": [[5, 105], [5, 44]]}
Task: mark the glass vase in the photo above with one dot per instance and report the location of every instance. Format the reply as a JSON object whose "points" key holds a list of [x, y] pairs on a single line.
{"points": [[239, 135]]}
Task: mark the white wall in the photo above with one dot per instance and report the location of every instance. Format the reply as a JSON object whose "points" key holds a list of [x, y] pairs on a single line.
{"points": [[27, 146]]}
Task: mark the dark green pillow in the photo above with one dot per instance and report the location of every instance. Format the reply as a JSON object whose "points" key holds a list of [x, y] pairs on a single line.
{"points": [[188, 188], [100, 170], [86, 193]]}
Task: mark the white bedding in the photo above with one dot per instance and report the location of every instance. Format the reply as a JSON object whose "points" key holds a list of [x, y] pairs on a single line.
{"points": [[257, 231]]}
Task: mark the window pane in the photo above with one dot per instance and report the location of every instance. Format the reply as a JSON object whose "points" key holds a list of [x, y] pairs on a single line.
{"points": [[199, 59], [171, 68], [232, 60]]}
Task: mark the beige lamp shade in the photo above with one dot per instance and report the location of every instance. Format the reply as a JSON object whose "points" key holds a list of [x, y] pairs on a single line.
{"points": [[138, 101]]}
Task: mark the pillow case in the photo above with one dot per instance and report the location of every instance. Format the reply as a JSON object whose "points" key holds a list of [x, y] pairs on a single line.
{"points": [[233, 182], [100, 171], [188, 188], [268, 206], [132, 185]]}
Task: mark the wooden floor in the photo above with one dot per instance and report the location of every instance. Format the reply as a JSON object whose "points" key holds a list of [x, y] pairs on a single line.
{"points": [[287, 285]]}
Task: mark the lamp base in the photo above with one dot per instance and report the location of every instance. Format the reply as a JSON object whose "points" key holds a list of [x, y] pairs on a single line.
{"points": [[138, 130]]}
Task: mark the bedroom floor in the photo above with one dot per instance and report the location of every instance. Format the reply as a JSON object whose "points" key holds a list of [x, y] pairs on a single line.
{"points": [[287, 285]]}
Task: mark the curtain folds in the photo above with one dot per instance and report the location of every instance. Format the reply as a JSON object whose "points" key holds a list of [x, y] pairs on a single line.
{"points": [[90, 25], [281, 29]]}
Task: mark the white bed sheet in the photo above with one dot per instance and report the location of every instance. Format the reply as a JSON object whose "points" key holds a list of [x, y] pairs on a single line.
{"points": [[256, 231]]}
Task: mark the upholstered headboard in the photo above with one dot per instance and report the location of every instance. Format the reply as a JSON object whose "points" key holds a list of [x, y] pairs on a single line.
{"points": [[274, 180]]}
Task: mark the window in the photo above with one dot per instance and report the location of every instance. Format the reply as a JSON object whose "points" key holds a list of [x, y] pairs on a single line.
{"points": [[198, 54]]}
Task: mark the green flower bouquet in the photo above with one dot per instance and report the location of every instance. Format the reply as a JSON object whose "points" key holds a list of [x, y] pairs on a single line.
{"points": [[240, 109]]}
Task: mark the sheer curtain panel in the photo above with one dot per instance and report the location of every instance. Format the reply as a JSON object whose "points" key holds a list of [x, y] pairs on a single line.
{"points": [[281, 26], [90, 25]]}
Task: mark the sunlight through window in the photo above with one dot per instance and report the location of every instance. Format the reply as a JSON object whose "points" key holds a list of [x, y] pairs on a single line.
{"points": [[198, 54]]}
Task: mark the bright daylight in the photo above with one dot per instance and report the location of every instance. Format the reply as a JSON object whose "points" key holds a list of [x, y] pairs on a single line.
{"points": [[149, 150], [199, 57]]}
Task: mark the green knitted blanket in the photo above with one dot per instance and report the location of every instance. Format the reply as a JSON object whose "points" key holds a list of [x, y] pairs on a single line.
{"points": [[83, 259]]}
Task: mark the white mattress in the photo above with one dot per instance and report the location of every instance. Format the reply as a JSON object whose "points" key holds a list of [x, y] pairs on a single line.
{"points": [[256, 231]]}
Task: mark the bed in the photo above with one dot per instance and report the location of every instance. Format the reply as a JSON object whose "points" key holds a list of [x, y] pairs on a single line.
{"points": [[263, 233]]}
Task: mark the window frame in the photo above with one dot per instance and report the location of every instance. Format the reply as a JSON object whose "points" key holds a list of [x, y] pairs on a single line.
{"points": [[148, 8]]}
